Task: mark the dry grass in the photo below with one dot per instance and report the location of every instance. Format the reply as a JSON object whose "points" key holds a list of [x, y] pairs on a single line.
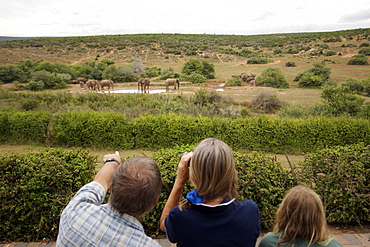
{"points": [[23, 149]]}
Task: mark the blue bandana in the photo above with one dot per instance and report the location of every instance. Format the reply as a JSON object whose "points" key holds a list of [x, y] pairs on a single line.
{"points": [[193, 197]]}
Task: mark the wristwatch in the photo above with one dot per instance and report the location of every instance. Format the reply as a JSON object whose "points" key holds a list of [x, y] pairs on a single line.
{"points": [[110, 160]]}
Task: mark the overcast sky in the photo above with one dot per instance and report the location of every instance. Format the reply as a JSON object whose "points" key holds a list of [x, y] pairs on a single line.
{"points": [[37, 18]]}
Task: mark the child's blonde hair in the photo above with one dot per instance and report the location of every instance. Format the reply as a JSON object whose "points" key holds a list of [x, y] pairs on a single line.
{"points": [[301, 215]]}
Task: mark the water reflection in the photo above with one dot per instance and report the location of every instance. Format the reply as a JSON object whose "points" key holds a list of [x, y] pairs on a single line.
{"points": [[134, 91]]}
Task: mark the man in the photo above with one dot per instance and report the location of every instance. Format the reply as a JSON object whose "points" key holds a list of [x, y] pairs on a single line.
{"points": [[135, 186]]}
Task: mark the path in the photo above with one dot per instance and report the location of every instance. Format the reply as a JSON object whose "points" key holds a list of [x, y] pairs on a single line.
{"points": [[347, 240]]}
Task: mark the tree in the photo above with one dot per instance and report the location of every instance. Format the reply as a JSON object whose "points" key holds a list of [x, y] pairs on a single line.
{"points": [[192, 66], [138, 66], [167, 73], [111, 72], [195, 66], [208, 69], [272, 77]]}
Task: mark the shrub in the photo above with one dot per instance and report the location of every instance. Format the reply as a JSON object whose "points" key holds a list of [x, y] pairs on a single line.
{"points": [[359, 59], [330, 53], [36, 187], [166, 73], [364, 45], [258, 60], [309, 79], [341, 100], [272, 77], [195, 78], [292, 111], [290, 64], [314, 77], [36, 86], [266, 102], [341, 176], [354, 84], [365, 51], [233, 82]]}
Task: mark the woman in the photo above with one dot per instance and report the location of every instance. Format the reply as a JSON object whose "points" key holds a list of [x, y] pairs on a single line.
{"points": [[300, 221], [210, 216]]}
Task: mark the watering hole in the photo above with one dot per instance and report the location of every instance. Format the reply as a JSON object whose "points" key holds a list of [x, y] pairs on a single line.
{"points": [[134, 91]]}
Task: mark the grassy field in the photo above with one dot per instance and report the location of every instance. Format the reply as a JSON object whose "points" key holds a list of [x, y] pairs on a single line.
{"points": [[22, 149]]}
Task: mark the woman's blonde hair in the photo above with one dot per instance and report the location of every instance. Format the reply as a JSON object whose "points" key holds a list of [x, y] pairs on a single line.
{"points": [[301, 215], [212, 170]]}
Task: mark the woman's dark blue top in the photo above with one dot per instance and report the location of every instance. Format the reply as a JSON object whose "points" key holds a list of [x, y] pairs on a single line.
{"points": [[228, 224]]}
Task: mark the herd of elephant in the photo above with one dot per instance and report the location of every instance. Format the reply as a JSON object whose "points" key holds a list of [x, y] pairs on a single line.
{"points": [[142, 86], [143, 83], [93, 84]]}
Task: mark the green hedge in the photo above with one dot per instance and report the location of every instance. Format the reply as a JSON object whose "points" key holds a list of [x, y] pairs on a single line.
{"points": [[24, 127], [341, 175], [34, 189], [112, 130], [169, 130], [92, 129]]}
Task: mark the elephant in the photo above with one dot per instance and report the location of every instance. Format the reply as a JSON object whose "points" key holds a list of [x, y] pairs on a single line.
{"points": [[105, 83], [91, 84], [170, 82], [247, 77], [143, 84], [82, 81]]}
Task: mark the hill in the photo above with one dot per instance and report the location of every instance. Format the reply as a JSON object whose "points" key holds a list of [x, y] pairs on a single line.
{"points": [[229, 53]]}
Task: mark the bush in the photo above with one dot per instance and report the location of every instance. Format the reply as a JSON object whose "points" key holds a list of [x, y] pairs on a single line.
{"points": [[341, 176], [290, 64], [272, 78], [364, 45], [258, 60], [292, 111], [314, 77], [330, 53], [36, 86], [341, 100], [36, 187], [365, 51], [309, 79], [354, 84], [266, 102], [194, 78], [359, 59], [234, 82]]}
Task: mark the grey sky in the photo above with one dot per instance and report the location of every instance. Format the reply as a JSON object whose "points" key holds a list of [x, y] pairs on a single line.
{"points": [[96, 17]]}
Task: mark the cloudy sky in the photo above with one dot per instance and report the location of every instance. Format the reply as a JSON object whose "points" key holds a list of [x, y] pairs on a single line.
{"points": [[37, 18]]}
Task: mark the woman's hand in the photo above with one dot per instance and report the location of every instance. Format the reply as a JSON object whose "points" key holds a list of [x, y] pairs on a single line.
{"points": [[183, 168]]}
